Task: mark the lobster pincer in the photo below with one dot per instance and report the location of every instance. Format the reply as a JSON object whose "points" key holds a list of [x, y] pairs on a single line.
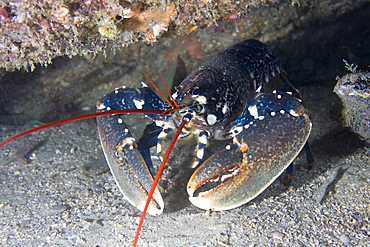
{"points": [[261, 152], [126, 163]]}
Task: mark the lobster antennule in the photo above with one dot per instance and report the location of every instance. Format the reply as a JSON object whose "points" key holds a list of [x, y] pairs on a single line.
{"points": [[171, 102], [155, 182], [75, 118], [169, 93]]}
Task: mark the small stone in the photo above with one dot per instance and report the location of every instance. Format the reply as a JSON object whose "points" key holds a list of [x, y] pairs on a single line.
{"points": [[62, 12], [85, 193], [52, 210], [344, 239], [277, 235]]}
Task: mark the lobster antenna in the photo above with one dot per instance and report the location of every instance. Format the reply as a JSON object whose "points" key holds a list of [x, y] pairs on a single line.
{"points": [[75, 118], [159, 91], [156, 180], [169, 92]]}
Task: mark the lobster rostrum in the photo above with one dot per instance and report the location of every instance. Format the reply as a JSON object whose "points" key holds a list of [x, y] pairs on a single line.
{"points": [[241, 95]]}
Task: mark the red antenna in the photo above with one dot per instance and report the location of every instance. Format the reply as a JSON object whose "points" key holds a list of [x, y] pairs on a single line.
{"points": [[155, 182], [75, 118]]}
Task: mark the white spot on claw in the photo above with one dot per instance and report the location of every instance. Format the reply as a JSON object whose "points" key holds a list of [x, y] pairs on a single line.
{"points": [[211, 119], [253, 111], [139, 103], [100, 106], [282, 111], [273, 113]]}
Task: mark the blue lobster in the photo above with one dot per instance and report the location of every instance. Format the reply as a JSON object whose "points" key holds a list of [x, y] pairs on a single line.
{"points": [[241, 95]]}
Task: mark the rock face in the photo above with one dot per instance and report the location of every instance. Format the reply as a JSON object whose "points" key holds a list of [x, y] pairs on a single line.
{"points": [[38, 31], [35, 32], [354, 91]]}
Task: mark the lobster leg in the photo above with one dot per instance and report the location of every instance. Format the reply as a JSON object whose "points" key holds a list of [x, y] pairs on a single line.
{"points": [[148, 140], [126, 163], [275, 130], [202, 143]]}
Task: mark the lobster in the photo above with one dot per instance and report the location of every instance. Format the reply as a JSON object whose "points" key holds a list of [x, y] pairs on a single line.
{"points": [[241, 96]]}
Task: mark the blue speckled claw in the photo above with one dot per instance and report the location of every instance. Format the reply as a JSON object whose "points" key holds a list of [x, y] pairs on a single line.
{"points": [[127, 165], [233, 177]]}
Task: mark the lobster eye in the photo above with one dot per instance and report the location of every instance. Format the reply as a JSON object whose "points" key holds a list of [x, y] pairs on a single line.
{"points": [[195, 92], [200, 108]]}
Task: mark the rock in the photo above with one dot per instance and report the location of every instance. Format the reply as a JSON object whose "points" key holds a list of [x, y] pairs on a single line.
{"points": [[354, 91]]}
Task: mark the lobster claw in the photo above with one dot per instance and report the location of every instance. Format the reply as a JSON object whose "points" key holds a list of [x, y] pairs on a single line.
{"points": [[241, 172], [125, 161]]}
